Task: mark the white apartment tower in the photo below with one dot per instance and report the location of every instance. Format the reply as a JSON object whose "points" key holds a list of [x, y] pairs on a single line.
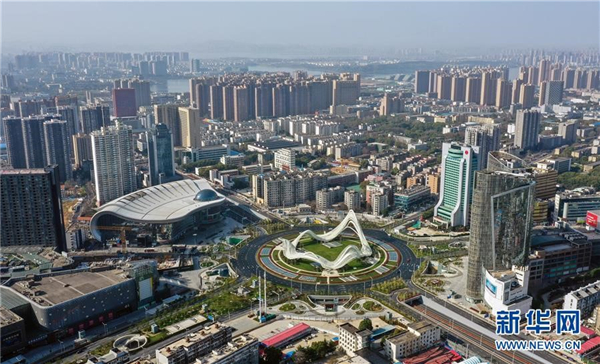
{"points": [[114, 172], [285, 159]]}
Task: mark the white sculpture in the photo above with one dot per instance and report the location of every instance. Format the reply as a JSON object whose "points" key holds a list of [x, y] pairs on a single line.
{"points": [[349, 253]]}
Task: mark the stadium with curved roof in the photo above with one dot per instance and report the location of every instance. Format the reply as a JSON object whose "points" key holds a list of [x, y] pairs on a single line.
{"points": [[169, 209]]}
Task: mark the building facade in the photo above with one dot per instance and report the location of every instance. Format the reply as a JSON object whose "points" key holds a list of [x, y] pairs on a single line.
{"points": [[501, 224], [114, 173], [418, 337], [459, 163], [31, 208], [161, 160]]}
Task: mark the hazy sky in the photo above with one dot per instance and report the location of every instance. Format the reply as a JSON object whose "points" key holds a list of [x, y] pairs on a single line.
{"points": [[137, 26]]}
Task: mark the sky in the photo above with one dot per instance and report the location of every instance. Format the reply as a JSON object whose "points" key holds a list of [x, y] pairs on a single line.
{"points": [[260, 27]]}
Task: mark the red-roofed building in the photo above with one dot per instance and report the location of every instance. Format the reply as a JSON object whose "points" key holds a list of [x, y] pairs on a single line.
{"points": [[285, 337], [589, 345], [587, 331]]}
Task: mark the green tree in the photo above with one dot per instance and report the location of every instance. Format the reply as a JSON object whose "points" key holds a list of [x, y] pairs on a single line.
{"points": [[239, 184], [365, 324], [272, 355]]}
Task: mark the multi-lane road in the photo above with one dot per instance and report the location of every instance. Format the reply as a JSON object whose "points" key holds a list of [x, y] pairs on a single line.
{"points": [[247, 265]]}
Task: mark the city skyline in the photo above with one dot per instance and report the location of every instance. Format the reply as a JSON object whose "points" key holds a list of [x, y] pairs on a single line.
{"points": [[260, 30]]}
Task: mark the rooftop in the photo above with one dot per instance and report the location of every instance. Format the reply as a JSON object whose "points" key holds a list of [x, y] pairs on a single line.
{"points": [[7, 317], [286, 334], [193, 338], [168, 202], [52, 290], [234, 345]]}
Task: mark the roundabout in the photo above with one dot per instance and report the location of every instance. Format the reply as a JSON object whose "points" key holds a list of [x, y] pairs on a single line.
{"points": [[332, 260]]}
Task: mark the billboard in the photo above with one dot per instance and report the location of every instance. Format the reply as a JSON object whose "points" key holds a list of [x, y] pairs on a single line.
{"points": [[491, 287], [591, 219]]}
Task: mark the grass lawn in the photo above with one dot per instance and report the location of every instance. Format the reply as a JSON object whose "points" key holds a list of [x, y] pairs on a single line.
{"points": [[227, 302], [330, 254], [102, 349]]}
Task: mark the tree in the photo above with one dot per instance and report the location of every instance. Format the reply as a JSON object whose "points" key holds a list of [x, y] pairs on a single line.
{"points": [[365, 324], [239, 184], [300, 357], [271, 355]]}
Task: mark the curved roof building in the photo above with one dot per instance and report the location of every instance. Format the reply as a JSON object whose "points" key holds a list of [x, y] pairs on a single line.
{"points": [[168, 203]]}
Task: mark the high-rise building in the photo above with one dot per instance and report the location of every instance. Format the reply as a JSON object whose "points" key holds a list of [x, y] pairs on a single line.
{"points": [[31, 208], [444, 87], [379, 203], [114, 173], [503, 93], [527, 96], [281, 97], [552, 92], [263, 98], [488, 88], [82, 149], [500, 226], [160, 154], [168, 114], [241, 103], [527, 128], [352, 200], [228, 102], [568, 131], [473, 90], [34, 141], [124, 102], [15, 147], [459, 89], [516, 91], [142, 92], [390, 105], [486, 137], [69, 114], [542, 95], [459, 163], [346, 89], [421, 82], [285, 159], [191, 126], [58, 148], [216, 102], [568, 77], [94, 118], [544, 70]]}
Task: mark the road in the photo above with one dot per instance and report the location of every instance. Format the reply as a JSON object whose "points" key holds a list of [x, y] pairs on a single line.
{"points": [[247, 265], [470, 321]]}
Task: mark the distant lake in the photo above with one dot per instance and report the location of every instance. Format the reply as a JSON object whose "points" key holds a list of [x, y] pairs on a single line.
{"points": [[172, 85], [181, 85]]}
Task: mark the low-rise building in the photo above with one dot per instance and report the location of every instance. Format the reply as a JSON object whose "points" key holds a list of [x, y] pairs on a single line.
{"points": [[242, 349], [407, 199], [584, 299], [419, 336], [114, 356], [574, 205], [353, 339], [568, 256], [507, 290], [195, 345], [12, 331]]}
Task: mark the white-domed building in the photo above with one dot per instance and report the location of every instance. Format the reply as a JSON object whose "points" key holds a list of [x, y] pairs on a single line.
{"points": [[170, 209]]}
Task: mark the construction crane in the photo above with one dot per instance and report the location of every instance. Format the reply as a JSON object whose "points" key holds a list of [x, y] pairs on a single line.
{"points": [[122, 235]]}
